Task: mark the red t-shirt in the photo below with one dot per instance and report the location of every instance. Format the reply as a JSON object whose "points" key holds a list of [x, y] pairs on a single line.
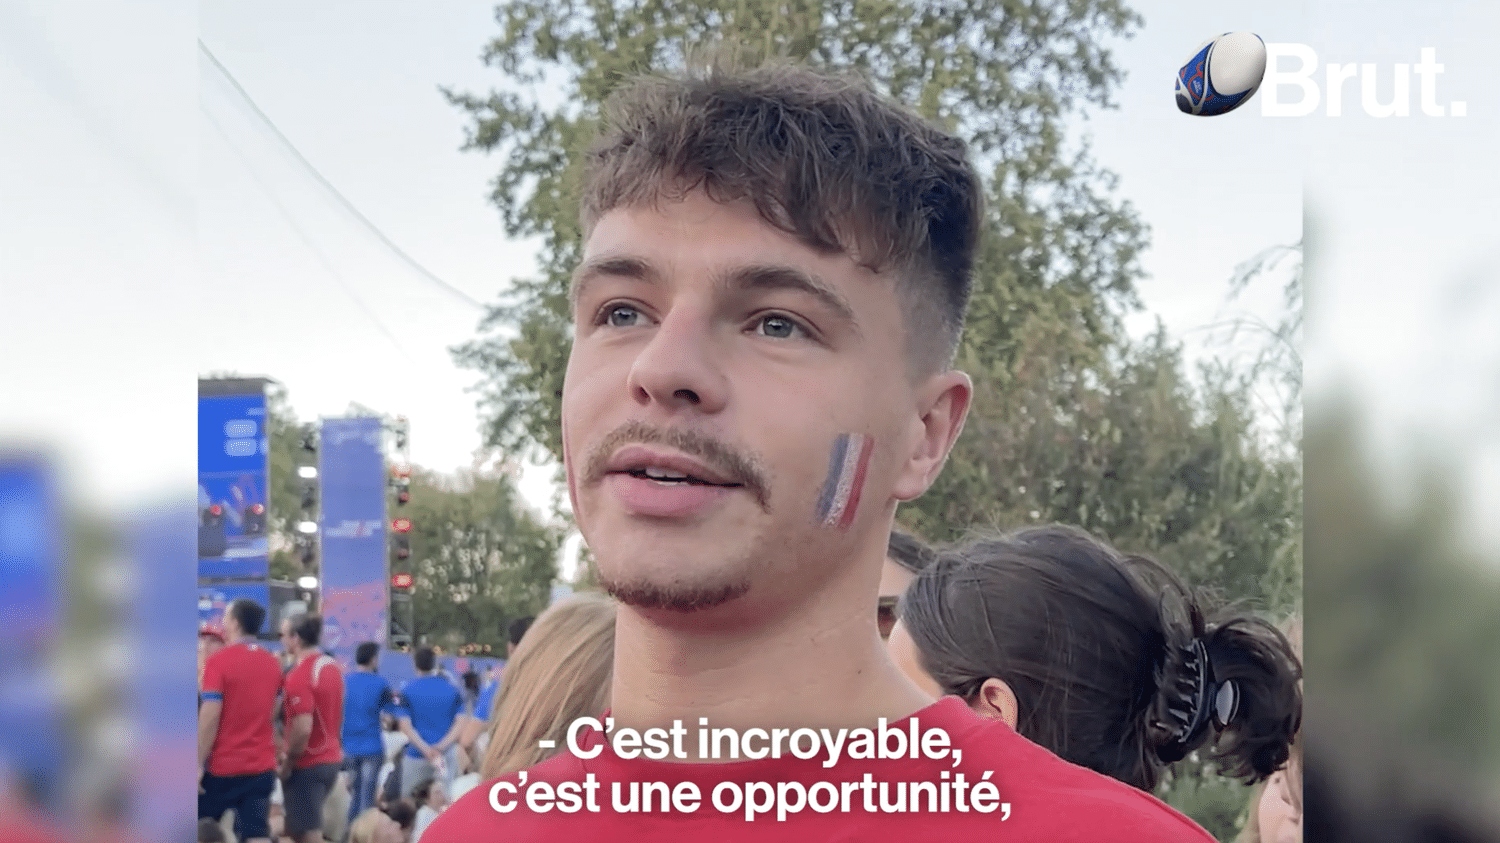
{"points": [[316, 686], [246, 678], [1050, 800]]}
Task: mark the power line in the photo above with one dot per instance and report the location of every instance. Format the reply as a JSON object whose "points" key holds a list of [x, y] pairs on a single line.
{"points": [[343, 200], [308, 241]]}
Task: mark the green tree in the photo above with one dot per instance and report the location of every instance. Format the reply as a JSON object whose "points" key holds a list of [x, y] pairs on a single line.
{"points": [[479, 558], [286, 454], [1126, 444], [1132, 450]]}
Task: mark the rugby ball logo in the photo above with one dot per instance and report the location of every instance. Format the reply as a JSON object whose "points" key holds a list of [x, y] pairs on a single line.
{"points": [[1223, 74]]}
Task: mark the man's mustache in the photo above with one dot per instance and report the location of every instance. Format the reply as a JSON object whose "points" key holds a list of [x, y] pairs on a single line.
{"points": [[736, 466]]}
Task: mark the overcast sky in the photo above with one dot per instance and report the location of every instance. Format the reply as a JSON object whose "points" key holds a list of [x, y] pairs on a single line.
{"points": [[289, 283]]}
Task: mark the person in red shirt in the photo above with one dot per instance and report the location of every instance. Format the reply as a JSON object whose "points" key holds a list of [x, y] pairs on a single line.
{"points": [[236, 741], [775, 269], [314, 711]]}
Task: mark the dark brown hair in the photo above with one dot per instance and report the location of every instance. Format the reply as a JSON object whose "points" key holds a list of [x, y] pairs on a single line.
{"points": [[908, 551], [822, 157], [307, 627], [425, 659], [366, 652], [1097, 648], [248, 614], [404, 812]]}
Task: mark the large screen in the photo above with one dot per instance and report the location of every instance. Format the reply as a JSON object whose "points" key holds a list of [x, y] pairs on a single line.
{"points": [[232, 488]]}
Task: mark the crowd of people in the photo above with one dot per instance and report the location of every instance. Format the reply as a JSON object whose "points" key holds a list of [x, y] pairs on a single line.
{"points": [[292, 748], [776, 266]]}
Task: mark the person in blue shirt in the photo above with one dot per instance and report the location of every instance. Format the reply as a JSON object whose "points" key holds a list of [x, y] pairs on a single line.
{"points": [[366, 696], [476, 732], [432, 717]]}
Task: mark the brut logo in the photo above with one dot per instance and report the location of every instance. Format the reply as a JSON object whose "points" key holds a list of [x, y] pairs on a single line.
{"points": [[1383, 92]]}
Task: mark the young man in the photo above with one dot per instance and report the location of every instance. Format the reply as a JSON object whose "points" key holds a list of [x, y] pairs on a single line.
{"points": [[236, 741], [774, 277], [367, 695], [313, 712], [432, 717]]}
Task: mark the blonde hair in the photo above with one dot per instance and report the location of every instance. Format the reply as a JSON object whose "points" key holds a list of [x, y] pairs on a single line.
{"points": [[1293, 769], [561, 671]]}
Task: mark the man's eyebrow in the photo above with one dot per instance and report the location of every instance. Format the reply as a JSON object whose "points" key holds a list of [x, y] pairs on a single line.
{"points": [[782, 277], [619, 266], [766, 276]]}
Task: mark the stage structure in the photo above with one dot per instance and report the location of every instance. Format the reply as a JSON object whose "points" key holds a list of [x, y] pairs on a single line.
{"points": [[352, 532]]}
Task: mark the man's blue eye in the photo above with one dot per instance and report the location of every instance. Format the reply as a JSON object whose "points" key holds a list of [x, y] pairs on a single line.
{"points": [[778, 327], [621, 316]]}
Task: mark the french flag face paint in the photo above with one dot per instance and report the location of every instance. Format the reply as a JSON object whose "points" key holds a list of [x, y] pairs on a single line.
{"points": [[846, 479]]}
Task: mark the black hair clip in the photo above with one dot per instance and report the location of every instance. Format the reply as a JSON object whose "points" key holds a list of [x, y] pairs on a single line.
{"points": [[1200, 699], [1226, 704]]}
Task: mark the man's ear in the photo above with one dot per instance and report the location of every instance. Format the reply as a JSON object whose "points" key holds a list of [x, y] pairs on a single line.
{"points": [[945, 399], [997, 701]]}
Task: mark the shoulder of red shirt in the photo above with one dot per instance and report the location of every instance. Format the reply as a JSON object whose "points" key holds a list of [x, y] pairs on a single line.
{"points": [[991, 743]]}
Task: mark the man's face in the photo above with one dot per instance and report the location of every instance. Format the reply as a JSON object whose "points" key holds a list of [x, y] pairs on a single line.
{"points": [[712, 346], [288, 638]]}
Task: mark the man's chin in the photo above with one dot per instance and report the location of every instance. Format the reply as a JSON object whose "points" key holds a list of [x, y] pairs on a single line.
{"points": [[674, 597]]}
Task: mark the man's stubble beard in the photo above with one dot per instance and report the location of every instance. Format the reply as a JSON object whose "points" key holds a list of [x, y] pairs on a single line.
{"points": [[643, 594], [666, 591]]}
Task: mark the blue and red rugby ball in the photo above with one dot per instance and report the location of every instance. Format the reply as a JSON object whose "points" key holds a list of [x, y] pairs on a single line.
{"points": [[1223, 74]]}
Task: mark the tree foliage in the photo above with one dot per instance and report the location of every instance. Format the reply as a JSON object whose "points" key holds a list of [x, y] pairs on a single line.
{"points": [[479, 558], [286, 454], [1133, 451]]}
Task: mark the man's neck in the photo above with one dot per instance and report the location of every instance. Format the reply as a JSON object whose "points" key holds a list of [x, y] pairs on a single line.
{"points": [[815, 670], [303, 655]]}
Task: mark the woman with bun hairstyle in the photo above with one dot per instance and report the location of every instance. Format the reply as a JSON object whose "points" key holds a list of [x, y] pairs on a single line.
{"points": [[1107, 660]]}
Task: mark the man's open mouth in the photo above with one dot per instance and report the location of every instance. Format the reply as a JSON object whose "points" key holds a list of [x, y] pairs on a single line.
{"points": [[668, 477]]}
